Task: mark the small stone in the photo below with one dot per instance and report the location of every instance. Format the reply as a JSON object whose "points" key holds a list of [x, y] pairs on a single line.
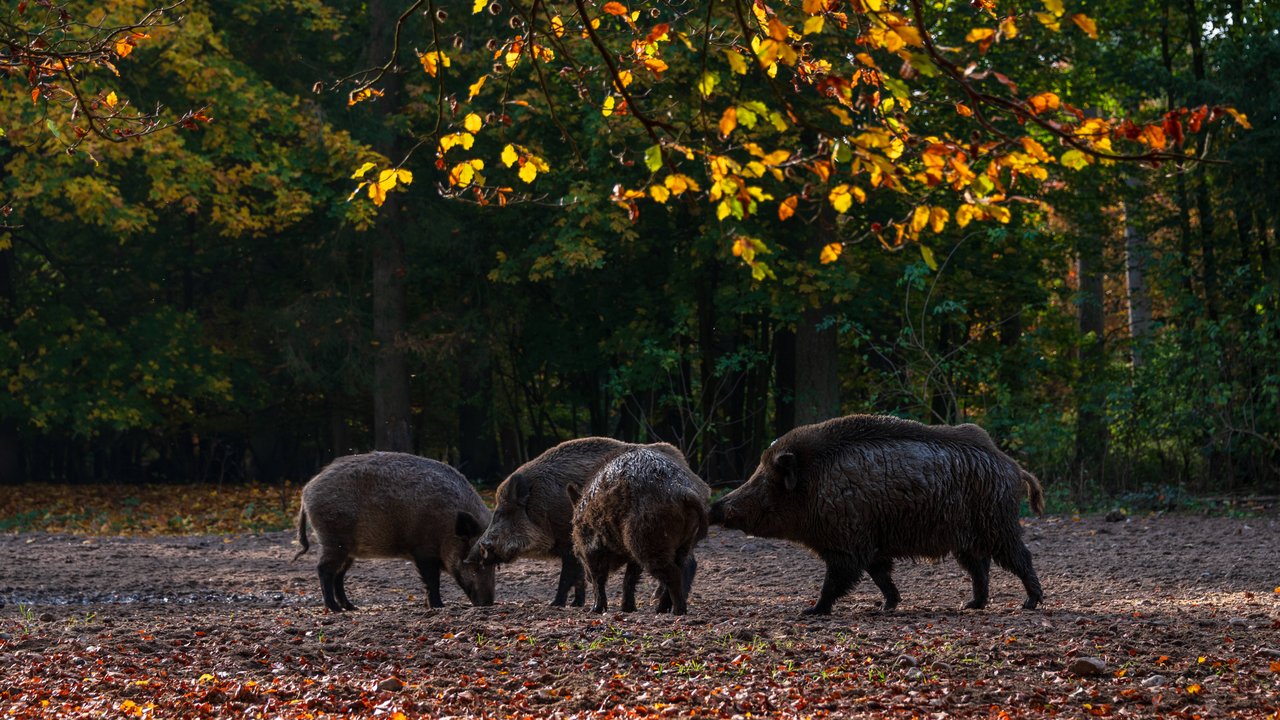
{"points": [[46, 617], [913, 673], [906, 661], [1087, 666], [391, 684], [1239, 622], [1155, 681], [1116, 515]]}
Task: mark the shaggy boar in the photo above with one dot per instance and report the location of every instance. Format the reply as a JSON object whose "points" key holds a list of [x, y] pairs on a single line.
{"points": [[863, 490], [645, 510], [533, 515], [388, 504]]}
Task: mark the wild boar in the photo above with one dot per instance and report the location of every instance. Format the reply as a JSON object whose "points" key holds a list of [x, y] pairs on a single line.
{"points": [[864, 490], [646, 510], [388, 504], [533, 516]]}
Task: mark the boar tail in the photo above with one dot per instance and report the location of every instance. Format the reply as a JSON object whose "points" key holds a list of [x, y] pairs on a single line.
{"points": [[1035, 493], [302, 534]]}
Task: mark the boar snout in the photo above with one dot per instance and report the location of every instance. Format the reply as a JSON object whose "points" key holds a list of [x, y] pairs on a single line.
{"points": [[718, 515]]}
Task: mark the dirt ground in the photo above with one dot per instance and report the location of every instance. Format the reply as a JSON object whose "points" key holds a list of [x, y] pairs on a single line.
{"points": [[1183, 612]]}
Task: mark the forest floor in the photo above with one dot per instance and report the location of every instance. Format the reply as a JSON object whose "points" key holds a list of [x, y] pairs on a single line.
{"points": [[1182, 614]]}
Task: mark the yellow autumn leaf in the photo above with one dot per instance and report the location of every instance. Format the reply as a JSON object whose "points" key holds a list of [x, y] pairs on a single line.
{"points": [[979, 34], [1009, 28], [123, 47], [659, 193], [736, 62], [830, 253], [1000, 213], [377, 193], [404, 176], [478, 5], [509, 156], [707, 84], [1241, 119], [528, 172], [557, 26], [919, 219], [387, 179], [964, 214], [840, 198], [1049, 21], [1054, 6], [111, 99], [813, 25], [433, 61], [472, 123], [813, 7], [1086, 23], [475, 87], [963, 110], [728, 121], [938, 218], [606, 109], [679, 183]]}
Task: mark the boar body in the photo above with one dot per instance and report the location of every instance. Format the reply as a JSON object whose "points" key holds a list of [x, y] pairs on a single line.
{"points": [[864, 490], [644, 510], [533, 516], [387, 504]]}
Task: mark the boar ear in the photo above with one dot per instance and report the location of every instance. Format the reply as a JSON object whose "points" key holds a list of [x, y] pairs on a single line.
{"points": [[520, 489], [467, 526], [785, 463], [574, 492]]}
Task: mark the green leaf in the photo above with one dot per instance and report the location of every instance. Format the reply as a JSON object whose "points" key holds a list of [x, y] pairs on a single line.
{"points": [[653, 158], [929, 260]]}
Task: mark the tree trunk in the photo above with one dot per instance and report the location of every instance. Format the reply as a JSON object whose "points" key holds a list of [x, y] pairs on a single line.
{"points": [[1091, 426], [1204, 208], [784, 381], [817, 373], [1136, 257], [477, 441], [391, 410], [10, 442]]}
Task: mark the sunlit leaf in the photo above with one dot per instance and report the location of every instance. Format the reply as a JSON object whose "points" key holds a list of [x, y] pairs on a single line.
{"points": [[615, 8], [1085, 23], [927, 253], [475, 87], [728, 121], [830, 253], [787, 207], [659, 193], [509, 155], [472, 123], [1075, 159]]}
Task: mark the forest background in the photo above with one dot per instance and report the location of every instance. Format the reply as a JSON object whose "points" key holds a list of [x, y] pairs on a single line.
{"points": [[212, 304]]}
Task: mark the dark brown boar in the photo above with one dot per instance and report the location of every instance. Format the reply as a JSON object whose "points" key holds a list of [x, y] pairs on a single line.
{"points": [[533, 517], [644, 510], [388, 504], [864, 490]]}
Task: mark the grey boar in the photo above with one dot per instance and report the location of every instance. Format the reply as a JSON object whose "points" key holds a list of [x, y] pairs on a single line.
{"points": [[864, 490], [646, 510], [533, 517], [387, 504]]}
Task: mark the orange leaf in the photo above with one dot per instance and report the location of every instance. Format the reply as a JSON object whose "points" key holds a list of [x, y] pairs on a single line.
{"points": [[788, 207], [1086, 23], [728, 121], [830, 253], [615, 8], [963, 110]]}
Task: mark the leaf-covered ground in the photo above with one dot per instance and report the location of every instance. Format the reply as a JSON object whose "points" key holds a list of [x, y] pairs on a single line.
{"points": [[1183, 612]]}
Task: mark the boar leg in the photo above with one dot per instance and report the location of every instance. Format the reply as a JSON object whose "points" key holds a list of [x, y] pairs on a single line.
{"points": [[842, 572], [672, 579], [429, 569], [598, 563], [686, 577], [332, 563], [571, 576], [979, 569], [1018, 562], [880, 571], [629, 581], [340, 585]]}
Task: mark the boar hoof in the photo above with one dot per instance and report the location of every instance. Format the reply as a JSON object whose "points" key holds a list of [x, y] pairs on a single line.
{"points": [[1030, 604], [816, 610], [886, 607], [975, 604], [559, 602], [598, 609]]}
